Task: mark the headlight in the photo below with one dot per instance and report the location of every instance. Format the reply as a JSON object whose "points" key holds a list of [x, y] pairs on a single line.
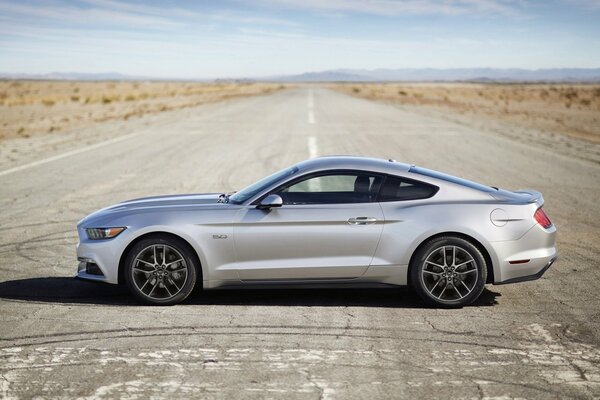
{"points": [[103, 233]]}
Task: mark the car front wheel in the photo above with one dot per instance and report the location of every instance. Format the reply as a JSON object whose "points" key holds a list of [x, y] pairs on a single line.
{"points": [[448, 272], [160, 270]]}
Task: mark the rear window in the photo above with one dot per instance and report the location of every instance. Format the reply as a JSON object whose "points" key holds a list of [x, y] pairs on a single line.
{"points": [[452, 179], [401, 189]]}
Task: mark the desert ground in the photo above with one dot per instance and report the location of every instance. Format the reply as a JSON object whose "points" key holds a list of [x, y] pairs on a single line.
{"points": [[550, 111], [63, 338], [30, 108]]}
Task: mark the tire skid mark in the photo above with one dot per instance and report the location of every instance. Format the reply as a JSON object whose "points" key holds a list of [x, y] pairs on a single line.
{"points": [[209, 329], [51, 222], [342, 333]]}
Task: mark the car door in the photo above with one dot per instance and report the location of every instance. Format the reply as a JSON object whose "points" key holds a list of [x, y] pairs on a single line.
{"points": [[327, 228]]}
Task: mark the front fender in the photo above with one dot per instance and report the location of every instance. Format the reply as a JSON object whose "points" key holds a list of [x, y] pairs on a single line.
{"points": [[189, 235]]}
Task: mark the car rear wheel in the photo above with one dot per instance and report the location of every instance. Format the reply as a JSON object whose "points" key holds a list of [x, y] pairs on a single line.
{"points": [[448, 272], [160, 270]]}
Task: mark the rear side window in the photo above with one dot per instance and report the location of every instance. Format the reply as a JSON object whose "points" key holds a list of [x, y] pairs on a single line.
{"points": [[400, 189], [449, 178]]}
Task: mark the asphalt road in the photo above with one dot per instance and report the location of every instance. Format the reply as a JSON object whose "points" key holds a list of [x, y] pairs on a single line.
{"points": [[65, 338]]}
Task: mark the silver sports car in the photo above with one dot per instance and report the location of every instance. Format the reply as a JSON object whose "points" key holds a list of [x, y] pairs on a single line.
{"points": [[325, 222]]}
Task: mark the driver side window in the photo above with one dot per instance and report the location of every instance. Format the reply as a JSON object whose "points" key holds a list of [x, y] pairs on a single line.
{"points": [[332, 188]]}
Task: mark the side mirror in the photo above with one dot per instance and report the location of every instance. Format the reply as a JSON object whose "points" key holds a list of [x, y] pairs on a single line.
{"points": [[272, 200]]}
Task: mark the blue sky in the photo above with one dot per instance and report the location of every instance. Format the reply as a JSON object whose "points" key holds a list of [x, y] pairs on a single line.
{"points": [[212, 39]]}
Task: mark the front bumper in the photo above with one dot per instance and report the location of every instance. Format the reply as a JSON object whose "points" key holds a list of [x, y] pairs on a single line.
{"points": [[99, 259], [527, 258]]}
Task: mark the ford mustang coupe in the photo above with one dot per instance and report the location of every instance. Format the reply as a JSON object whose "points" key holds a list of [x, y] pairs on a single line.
{"points": [[325, 222]]}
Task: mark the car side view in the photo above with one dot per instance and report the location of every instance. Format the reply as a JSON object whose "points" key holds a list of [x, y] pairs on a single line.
{"points": [[325, 222]]}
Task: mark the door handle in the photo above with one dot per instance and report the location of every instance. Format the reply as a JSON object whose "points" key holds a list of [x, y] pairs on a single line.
{"points": [[362, 220]]}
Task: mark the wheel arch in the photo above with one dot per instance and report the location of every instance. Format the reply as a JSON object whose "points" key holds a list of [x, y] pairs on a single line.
{"points": [[484, 251], [121, 271]]}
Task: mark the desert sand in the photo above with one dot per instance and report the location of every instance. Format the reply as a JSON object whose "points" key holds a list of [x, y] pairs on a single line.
{"points": [[559, 109], [32, 108]]}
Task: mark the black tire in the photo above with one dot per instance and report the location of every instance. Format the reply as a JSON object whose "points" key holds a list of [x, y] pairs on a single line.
{"points": [[184, 272], [456, 281]]}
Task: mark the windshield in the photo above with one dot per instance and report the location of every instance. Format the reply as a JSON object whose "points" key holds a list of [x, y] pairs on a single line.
{"points": [[255, 188], [450, 178]]}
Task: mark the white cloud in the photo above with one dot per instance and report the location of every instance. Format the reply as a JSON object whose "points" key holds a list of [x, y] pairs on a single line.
{"points": [[63, 13], [400, 7], [127, 15]]}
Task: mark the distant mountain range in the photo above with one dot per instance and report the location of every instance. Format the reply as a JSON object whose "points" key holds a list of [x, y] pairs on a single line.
{"points": [[76, 76], [366, 75], [450, 75]]}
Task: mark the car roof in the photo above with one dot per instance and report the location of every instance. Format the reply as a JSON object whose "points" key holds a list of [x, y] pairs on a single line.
{"points": [[353, 162]]}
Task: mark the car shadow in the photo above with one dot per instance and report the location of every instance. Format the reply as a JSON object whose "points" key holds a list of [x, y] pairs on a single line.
{"points": [[75, 291]]}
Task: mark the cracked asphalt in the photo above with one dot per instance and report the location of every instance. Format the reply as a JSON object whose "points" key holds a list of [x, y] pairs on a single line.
{"points": [[62, 338]]}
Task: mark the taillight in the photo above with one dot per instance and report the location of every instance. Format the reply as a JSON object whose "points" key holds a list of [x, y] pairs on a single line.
{"points": [[542, 219]]}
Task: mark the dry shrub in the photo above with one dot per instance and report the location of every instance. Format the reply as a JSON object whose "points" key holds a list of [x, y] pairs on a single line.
{"points": [[570, 94]]}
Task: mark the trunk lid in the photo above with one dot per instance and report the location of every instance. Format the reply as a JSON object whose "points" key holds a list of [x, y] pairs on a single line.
{"points": [[525, 196]]}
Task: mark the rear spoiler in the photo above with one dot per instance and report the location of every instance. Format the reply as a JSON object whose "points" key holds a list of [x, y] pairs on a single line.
{"points": [[526, 196]]}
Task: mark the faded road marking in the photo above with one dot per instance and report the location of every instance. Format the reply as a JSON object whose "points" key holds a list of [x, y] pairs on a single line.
{"points": [[313, 149], [69, 153], [310, 104]]}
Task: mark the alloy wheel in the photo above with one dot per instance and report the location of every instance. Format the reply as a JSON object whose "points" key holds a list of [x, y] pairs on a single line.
{"points": [[159, 272], [449, 273]]}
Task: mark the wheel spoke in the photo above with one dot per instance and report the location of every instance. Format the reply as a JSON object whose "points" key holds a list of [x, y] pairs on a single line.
{"points": [[465, 272], [443, 290], [164, 261], [173, 283], [434, 264], [458, 291], [173, 262], [453, 255], [434, 286], [167, 289], [142, 270], [154, 250], [153, 288], [145, 262], [463, 263], [468, 290], [144, 285], [431, 272]]}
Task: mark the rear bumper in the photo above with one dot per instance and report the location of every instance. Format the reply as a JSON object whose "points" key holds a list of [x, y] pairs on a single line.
{"points": [[527, 258], [533, 277]]}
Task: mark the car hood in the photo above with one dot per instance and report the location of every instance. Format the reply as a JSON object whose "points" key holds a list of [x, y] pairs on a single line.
{"points": [[169, 201], [156, 204]]}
